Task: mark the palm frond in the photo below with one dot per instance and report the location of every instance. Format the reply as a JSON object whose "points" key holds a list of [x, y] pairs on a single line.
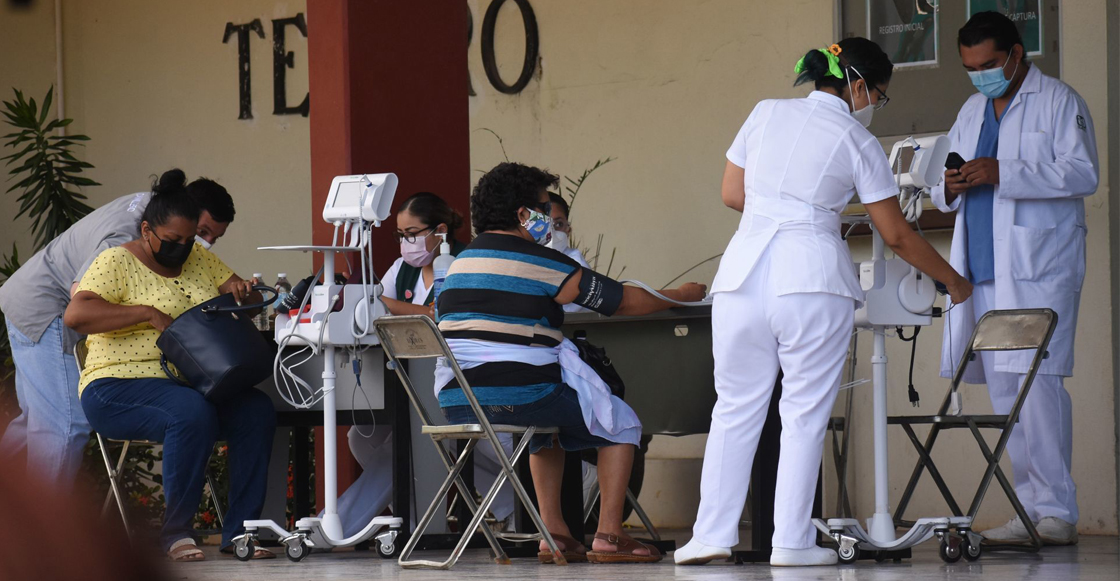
{"points": [[44, 168]]}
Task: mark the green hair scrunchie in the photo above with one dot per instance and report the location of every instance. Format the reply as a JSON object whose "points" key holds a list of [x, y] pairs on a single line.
{"points": [[832, 54]]}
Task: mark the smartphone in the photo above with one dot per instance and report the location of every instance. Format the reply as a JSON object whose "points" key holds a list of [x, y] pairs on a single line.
{"points": [[954, 161]]}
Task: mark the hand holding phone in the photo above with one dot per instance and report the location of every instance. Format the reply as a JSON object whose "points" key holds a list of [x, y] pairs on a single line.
{"points": [[954, 183], [954, 161]]}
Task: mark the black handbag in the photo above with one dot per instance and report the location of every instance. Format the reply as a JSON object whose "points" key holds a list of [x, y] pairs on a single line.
{"points": [[596, 358], [217, 348]]}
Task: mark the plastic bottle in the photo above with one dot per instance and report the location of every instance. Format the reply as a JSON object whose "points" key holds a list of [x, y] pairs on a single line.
{"points": [[283, 289], [260, 321], [440, 265]]}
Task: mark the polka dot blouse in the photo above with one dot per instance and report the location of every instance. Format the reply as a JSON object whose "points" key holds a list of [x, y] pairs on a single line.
{"points": [[117, 276]]}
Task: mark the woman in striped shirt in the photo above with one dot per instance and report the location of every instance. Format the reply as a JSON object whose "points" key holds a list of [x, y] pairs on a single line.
{"points": [[501, 309]]}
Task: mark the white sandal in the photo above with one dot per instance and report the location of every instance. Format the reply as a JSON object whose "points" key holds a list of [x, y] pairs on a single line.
{"points": [[185, 550]]}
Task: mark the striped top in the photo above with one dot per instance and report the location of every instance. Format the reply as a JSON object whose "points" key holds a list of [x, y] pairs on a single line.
{"points": [[502, 289]]}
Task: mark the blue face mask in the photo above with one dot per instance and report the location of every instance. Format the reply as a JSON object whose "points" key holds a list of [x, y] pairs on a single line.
{"points": [[539, 227], [992, 83]]}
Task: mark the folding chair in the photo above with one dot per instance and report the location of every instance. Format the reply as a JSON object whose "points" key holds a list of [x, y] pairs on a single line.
{"points": [[114, 471], [1008, 330], [417, 337]]}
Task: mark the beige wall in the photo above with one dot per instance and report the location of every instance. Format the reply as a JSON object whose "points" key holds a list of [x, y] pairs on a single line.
{"points": [[660, 85], [154, 87], [27, 64]]}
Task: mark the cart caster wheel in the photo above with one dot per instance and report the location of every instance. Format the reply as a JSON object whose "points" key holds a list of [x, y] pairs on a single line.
{"points": [[847, 555], [971, 553], [245, 552], [881, 557], [297, 552], [388, 551], [950, 552]]}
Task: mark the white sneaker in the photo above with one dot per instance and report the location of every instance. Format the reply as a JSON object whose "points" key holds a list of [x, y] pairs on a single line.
{"points": [[697, 553], [1013, 532], [802, 557], [1055, 531]]}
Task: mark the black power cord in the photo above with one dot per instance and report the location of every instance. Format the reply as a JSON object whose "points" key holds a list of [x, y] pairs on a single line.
{"points": [[913, 340]]}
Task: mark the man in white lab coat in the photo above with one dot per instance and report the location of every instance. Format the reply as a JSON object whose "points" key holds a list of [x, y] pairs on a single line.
{"points": [[1020, 239]]}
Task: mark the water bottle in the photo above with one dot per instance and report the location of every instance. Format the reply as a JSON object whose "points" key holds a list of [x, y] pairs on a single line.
{"points": [[283, 289], [261, 319], [441, 265]]}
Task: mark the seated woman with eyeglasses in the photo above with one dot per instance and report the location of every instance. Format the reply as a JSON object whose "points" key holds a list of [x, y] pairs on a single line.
{"points": [[500, 310], [408, 282], [127, 297]]}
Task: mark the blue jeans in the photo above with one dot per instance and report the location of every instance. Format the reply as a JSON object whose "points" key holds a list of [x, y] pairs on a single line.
{"points": [[163, 411], [558, 409], [52, 426]]}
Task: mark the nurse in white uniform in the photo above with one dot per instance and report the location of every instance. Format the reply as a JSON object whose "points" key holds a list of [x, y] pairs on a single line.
{"points": [[562, 238], [408, 291], [786, 290]]}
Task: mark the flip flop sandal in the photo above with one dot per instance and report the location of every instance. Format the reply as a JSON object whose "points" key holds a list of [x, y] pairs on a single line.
{"points": [[186, 551], [570, 555], [624, 553]]}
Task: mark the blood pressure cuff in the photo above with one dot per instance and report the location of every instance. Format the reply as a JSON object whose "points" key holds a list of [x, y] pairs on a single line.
{"points": [[599, 293]]}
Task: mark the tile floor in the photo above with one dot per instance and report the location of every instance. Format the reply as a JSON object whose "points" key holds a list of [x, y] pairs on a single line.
{"points": [[1094, 558]]}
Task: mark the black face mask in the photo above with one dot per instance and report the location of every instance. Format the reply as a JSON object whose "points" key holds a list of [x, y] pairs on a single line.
{"points": [[171, 254]]}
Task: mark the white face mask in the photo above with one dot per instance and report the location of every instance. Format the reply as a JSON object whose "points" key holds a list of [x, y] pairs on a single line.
{"points": [[863, 115], [559, 241], [202, 242]]}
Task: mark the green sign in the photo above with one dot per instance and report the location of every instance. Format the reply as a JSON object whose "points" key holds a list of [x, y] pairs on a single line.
{"points": [[905, 29], [1026, 14]]}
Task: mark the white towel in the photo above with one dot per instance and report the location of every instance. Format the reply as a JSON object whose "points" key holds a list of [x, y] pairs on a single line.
{"points": [[605, 415]]}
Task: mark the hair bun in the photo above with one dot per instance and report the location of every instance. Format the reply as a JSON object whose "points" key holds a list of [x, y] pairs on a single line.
{"points": [[815, 67], [173, 181]]}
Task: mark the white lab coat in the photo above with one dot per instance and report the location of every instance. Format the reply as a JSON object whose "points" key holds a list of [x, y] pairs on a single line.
{"points": [[1047, 165]]}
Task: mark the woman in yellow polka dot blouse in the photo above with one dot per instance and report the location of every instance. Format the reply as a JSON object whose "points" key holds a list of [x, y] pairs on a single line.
{"points": [[129, 295]]}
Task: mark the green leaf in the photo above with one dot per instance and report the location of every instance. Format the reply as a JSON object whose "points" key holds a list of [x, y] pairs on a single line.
{"points": [[43, 167], [46, 105]]}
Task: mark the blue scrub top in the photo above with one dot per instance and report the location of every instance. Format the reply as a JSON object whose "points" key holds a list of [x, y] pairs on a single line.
{"points": [[978, 207]]}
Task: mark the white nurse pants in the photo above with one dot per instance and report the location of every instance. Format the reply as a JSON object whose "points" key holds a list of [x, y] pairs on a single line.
{"points": [[754, 333], [1041, 445]]}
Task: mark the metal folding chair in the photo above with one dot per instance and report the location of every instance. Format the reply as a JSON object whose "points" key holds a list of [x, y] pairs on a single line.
{"points": [[417, 337], [115, 470], [1008, 330]]}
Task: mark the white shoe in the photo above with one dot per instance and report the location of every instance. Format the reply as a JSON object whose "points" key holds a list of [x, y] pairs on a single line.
{"points": [[1013, 532], [1055, 531], [697, 553], [802, 557]]}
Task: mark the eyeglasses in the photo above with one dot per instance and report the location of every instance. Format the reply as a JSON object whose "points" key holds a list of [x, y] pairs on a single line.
{"points": [[410, 237], [543, 207], [883, 99]]}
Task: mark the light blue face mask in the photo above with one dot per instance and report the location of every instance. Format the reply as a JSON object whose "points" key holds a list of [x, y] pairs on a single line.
{"points": [[539, 227], [991, 83]]}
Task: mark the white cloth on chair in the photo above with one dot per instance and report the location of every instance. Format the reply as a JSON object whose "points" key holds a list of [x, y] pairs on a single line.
{"points": [[604, 414]]}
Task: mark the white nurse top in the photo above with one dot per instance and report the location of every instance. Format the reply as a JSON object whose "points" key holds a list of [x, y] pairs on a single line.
{"points": [[390, 290], [803, 159], [577, 256]]}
